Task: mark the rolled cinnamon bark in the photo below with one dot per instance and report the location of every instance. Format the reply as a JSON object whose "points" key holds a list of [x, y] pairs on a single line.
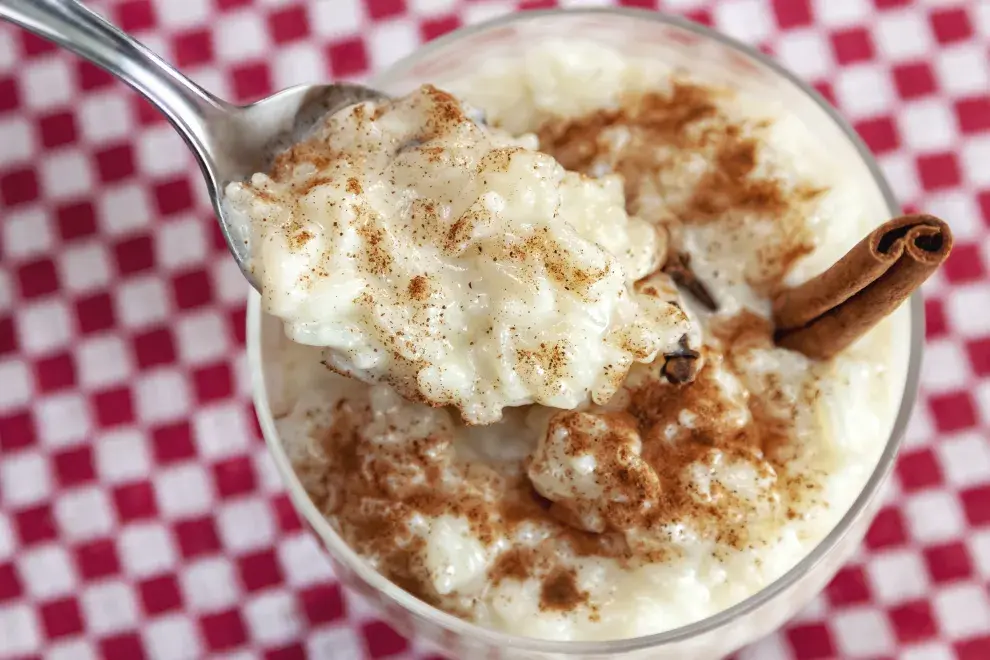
{"points": [[829, 312]]}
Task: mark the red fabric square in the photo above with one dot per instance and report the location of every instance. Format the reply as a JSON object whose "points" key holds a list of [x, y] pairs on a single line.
{"points": [[289, 24], [173, 443], [95, 313], [134, 254], [89, 76], [919, 469], [887, 529], [192, 289], [173, 197], [197, 537], [213, 383], [113, 407], [880, 134], [347, 58], [97, 559], [154, 347], [979, 356], [935, 321], [291, 652], [976, 503], [135, 501], [115, 163], [35, 524], [193, 48], [259, 570], [812, 640], [964, 264], [33, 45], [61, 618], [135, 15], [238, 324], [977, 648], [57, 129], [382, 641], [853, 45], [18, 187], [849, 586], [235, 476], [953, 412], [147, 114], [949, 562], [700, 16], [9, 96], [323, 603], [10, 583], [792, 13], [38, 278], [973, 114], [251, 81], [913, 622], [76, 220], [914, 80], [983, 199], [939, 171], [74, 466], [380, 9], [54, 373], [285, 513], [17, 431], [435, 27], [160, 594], [8, 336], [951, 25], [224, 630], [126, 646]]}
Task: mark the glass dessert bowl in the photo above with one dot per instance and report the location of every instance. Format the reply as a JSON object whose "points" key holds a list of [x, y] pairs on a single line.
{"points": [[463, 63]]}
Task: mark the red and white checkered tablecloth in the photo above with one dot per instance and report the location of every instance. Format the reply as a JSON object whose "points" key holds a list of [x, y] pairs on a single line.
{"points": [[140, 516]]}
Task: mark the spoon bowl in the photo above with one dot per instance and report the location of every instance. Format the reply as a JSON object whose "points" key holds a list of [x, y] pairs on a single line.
{"points": [[230, 142]]}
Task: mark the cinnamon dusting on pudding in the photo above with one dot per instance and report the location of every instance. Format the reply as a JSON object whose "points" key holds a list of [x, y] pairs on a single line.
{"points": [[559, 591], [654, 135]]}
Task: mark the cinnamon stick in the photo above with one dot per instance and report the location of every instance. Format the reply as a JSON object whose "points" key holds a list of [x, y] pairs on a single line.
{"points": [[829, 312]]}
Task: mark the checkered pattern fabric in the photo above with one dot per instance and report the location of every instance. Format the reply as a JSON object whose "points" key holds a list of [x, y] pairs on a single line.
{"points": [[139, 514]]}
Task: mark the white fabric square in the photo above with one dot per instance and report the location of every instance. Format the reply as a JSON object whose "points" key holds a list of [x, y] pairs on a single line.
{"points": [[962, 610], [63, 419], [273, 618], [209, 585], [897, 576], [221, 431], [103, 360], [122, 456], [124, 209], [184, 491], [142, 301], [47, 572], [66, 174], [18, 385], [246, 525], [934, 516], [172, 638], [85, 267], [26, 233], [182, 242], [162, 396], [84, 514], [202, 337], [146, 549], [25, 479], [109, 607]]}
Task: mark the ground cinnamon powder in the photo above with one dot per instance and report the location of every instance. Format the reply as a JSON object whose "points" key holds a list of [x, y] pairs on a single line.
{"points": [[365, 488]]}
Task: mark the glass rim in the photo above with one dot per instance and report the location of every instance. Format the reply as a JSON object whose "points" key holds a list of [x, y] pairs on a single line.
{"points": [[342, 552]]}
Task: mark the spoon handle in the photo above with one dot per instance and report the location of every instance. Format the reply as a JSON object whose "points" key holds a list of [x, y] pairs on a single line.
{"points": [[68, 23]]}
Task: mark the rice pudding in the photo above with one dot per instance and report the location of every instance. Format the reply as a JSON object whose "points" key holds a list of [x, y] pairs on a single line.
{"points": [[660, 503]]}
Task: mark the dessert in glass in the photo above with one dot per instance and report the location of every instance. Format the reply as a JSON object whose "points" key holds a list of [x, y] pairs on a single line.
{"points": [[576, 345]]}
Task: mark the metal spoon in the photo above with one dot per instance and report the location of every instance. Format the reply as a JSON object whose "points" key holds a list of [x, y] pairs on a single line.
{"points": [[230, 142]]}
